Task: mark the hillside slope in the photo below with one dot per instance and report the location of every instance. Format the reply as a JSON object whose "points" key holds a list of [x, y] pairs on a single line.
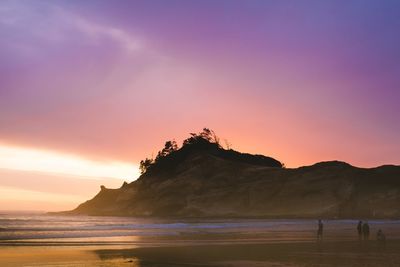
{"points": [[208, 181]]}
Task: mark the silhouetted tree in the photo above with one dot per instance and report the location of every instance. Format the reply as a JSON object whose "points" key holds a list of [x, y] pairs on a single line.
{"points": [[210, 136], [169, 147], [145, 164], [191, 140], [207, 135]]}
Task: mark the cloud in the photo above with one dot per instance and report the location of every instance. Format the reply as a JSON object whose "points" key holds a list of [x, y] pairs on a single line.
{"points": [[98, 31], [33, 23], [17, 158], [83, 87]]}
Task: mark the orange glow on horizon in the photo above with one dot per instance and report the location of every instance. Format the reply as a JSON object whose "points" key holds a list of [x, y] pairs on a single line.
{"points": [[27, 159]]}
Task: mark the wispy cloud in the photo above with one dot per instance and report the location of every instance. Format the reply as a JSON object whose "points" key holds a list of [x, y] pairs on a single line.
{"points": [[17, 158], [98, 31], [50, 23]]}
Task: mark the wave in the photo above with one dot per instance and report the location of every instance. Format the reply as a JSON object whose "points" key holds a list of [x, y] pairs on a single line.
{"points": [[19, 227]]}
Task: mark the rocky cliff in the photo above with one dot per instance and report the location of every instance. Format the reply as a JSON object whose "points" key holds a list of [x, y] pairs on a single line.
{"points": [[204, 180]]}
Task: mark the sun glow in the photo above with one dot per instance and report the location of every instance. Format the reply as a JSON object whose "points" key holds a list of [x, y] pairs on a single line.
{"points": [[18, 158]]}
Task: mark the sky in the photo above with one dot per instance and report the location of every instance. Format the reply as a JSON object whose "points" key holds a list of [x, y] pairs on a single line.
{"points": [[89, 88]]}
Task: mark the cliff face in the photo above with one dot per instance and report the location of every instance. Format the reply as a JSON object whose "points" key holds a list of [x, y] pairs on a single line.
{"points": [[212, 182]]}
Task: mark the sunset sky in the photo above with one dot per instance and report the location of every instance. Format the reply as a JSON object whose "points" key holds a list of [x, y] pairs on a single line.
{"points": [[89, 88]]}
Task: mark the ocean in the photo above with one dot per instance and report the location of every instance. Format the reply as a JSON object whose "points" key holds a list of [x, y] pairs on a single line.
{"points": [[40, 240], [42, 229]]}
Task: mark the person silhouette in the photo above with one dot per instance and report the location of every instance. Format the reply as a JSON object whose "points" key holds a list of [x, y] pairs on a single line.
{"points": [[365, 230], [320, 230], [381, 238], [359, 230]]}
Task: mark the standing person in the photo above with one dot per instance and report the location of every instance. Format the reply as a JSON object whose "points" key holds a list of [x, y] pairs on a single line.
{"points": [[359, 230], [320, 230], [365, 230], [381, 238]]}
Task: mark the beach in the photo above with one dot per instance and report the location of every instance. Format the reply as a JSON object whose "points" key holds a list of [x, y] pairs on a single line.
{"points": [[40, 240]]}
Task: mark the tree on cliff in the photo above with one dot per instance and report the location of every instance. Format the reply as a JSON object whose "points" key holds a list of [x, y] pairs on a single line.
{"points": [[145, 164], [207, 135], [169, 147]]}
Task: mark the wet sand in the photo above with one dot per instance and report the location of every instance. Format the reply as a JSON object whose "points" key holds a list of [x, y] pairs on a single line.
{"points": [[327, 253], [339, 253]]}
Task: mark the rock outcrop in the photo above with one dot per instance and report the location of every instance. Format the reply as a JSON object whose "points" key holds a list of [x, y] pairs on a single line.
{"points": [[204, 180]]}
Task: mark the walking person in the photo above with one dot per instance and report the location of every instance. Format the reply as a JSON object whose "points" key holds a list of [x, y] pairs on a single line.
{"points": [[320, 230], [365, 231]]}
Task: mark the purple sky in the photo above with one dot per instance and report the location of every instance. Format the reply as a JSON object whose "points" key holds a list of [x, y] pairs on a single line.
{"points": [[302, 81]]}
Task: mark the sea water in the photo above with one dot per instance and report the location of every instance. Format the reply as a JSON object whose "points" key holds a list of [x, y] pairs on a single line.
{"points": [[39, 228]]}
